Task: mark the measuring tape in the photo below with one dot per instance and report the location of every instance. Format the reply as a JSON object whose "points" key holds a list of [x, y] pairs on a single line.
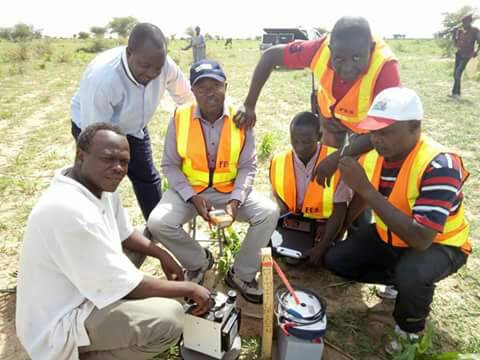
{"points": [[267, 284]]}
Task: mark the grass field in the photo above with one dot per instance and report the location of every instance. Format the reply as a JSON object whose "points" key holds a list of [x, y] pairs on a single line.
{"points": [[37, 82]]}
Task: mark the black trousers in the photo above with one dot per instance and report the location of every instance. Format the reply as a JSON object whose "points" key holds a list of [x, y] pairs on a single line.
{"points": [[460, 64], [364, 257], [142, 172]]}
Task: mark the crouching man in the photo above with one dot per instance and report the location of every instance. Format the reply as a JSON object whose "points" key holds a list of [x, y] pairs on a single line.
{"points": [[210, 163], [420, 235], [78, 295]]}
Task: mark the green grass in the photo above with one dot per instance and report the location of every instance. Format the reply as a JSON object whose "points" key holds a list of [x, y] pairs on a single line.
{"points": [[35, 126]]}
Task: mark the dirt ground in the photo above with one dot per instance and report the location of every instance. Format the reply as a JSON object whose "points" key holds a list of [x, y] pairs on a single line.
{"points": [[340, 296]]}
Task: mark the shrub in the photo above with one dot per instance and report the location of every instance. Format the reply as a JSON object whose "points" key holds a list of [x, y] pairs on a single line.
{"points": [[266, 147], [64, 57], [16, 69], [44, 48], [19, 53]]}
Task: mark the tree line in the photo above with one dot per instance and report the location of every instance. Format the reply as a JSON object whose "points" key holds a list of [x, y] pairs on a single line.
{"points": [[24, 32]]}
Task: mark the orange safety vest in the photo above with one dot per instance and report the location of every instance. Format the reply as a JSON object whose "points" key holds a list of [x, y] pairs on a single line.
{"points": [[318, 200], [406, 190], [192, 150], [354, 106]]}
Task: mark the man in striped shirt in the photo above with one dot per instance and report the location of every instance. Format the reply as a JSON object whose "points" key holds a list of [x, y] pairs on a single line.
{"points": [[420, 235]]}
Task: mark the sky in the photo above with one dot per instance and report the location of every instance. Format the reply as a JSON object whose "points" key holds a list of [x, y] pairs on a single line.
{"points": [[243, 18]]}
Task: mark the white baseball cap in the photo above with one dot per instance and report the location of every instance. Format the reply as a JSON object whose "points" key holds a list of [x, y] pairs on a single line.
{"points": [[390, 106]]}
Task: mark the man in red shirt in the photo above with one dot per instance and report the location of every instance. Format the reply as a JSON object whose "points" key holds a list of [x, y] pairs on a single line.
{"points": [[464, 38], [351, 68]]}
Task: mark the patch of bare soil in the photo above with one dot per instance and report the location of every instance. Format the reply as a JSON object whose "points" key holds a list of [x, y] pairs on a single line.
{"points": [[10, 347]]}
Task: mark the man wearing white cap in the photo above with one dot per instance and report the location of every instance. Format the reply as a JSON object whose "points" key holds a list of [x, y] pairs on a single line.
{"points": [[420, 234]]}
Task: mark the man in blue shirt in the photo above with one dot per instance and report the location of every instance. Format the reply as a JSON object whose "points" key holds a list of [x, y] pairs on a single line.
{"points": [[124, 86]]}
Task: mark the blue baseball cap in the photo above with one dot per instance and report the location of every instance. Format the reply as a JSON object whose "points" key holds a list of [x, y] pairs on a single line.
{"points": [[206, 69]]}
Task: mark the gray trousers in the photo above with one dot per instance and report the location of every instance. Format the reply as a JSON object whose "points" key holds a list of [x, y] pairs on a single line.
{"points": [[133, 329], [166, 220]]}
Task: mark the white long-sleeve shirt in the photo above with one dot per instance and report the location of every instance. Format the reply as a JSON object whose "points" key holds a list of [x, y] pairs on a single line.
{"points": [[109, 93]]}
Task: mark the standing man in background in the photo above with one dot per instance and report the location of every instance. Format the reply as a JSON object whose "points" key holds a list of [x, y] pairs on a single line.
{"points": [[464, 38], [124, 86], [198, 45]]}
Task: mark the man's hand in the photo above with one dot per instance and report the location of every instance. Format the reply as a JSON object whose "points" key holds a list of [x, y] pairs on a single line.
{"points": [[354, 176], [232, 208], [202, 205], [201, 296], [170, 267], [315, 254], [245, 117], [324, 171]]}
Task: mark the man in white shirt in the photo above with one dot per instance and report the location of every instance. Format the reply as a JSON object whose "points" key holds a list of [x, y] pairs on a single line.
{"points": [[76, 288], [198, 45], [124, 86]]}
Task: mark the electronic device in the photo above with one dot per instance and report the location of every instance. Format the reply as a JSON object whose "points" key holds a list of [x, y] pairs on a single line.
{"points": [[220, 218], [302, 325], [294, 236], [216, 333]]}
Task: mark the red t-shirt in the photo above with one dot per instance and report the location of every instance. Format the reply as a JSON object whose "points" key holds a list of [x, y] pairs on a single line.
{"points": [[299, 54]]}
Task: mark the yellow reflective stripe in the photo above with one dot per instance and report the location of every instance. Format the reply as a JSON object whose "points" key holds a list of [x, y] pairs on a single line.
{"points": [[379, 222], [328, 191], [381, 55], [458, 239], [184, 118], [194, 177], [455, 221], [369, 163], [235, 145], [279, 175], [424, 156], [322, 61]]}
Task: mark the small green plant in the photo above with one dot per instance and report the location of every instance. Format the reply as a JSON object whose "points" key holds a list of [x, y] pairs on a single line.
{"points": [[232, 245], [164, 185], [421, 350], [16, 69], [266, 147]]}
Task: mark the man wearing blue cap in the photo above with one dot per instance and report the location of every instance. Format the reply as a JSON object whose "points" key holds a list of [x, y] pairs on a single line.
{"points": [[210, 164]]}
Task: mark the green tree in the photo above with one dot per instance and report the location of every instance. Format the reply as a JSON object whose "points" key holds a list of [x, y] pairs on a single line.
{"points": [[6, 33], [98, 31], [83, 35], [22, 32], [122, 25]]}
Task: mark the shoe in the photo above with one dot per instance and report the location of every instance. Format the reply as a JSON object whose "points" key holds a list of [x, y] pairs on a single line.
{"points": [[454, 96], [197, 276], [399, 340], [387, 292], [251, 291]]}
